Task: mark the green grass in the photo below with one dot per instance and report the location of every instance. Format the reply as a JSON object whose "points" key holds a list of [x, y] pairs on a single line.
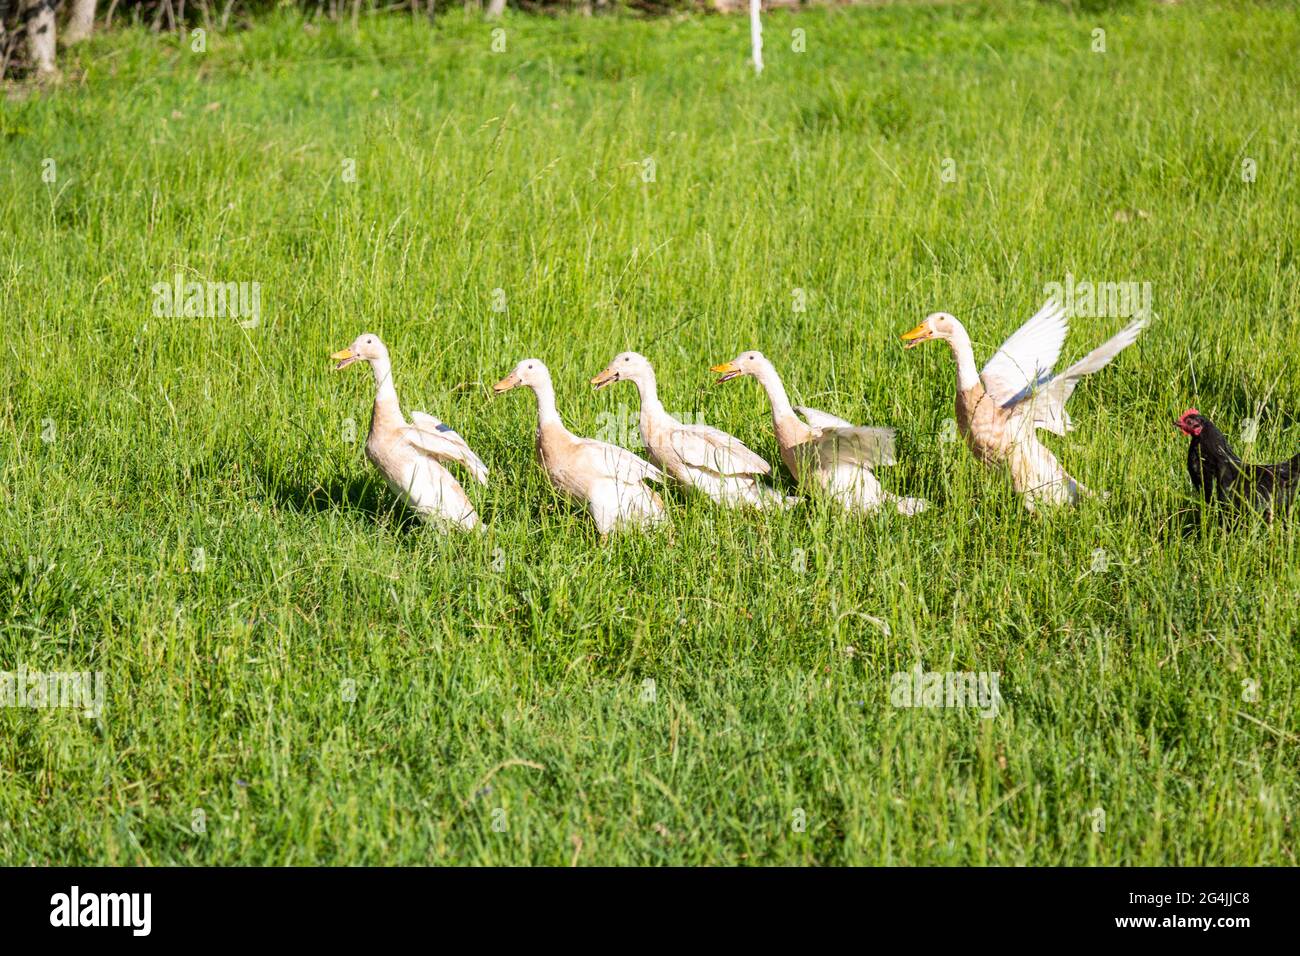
{"points": [[521, 689]]}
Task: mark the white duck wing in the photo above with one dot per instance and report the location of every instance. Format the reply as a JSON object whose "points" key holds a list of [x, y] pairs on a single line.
{"points": [[1025, 361], [859, 445], [441, 441], [821, 419], [604, 460], [1048, 405], [711, 449]]}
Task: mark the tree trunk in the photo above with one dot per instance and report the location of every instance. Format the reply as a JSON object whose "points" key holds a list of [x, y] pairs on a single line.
{"points": [[38, 16], [496, 8], [756, 34], [81, 22]]}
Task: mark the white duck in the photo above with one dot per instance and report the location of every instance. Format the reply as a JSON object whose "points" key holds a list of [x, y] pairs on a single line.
{"points": [[836, 454], [1000, 409], [698, 456], [408, 455], [609, 481]]}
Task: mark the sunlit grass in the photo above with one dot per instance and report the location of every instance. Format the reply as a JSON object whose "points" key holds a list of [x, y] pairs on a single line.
{"points": [[503, 678]]}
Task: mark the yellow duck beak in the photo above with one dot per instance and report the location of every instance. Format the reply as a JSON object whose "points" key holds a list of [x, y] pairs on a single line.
{"points": [[727, 370], [345, 358], [917, 336], [604, 378], [506, 384]]}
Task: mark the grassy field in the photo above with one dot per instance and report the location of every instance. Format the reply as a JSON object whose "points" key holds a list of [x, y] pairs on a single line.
{"points": [[327, 681]]}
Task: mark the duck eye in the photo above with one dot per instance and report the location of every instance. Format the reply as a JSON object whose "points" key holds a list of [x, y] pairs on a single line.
{"points": [[627, 358]]}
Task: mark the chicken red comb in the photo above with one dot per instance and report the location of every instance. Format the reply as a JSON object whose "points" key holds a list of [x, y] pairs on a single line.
{"points": [[1184, 425]]}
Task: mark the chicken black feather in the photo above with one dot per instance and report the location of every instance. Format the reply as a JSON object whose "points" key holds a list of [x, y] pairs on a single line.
{"points": [[1221, 477]]}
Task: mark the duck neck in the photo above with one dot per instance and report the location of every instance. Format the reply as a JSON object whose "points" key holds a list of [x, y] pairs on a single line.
{"points": [[387, 408], [546, 411], [648, 389], [775, 388], [968, 375]]}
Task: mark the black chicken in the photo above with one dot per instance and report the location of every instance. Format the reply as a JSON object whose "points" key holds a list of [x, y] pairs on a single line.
{"points": [[1221, 476]]}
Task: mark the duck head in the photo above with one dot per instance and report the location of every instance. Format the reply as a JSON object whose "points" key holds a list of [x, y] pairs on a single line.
{"points": [[530, 372], [939, 325], [746, 363], [366, 348], [626, 366]]}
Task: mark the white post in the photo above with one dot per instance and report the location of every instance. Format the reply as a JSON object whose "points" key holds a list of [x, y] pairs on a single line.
{"points": [[39, 15], [81, 22], [756, 33]]}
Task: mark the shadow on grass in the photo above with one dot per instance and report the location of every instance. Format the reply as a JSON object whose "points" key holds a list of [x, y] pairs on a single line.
{"points": [[1198, 519], [1186, 522], [364, 495]]}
